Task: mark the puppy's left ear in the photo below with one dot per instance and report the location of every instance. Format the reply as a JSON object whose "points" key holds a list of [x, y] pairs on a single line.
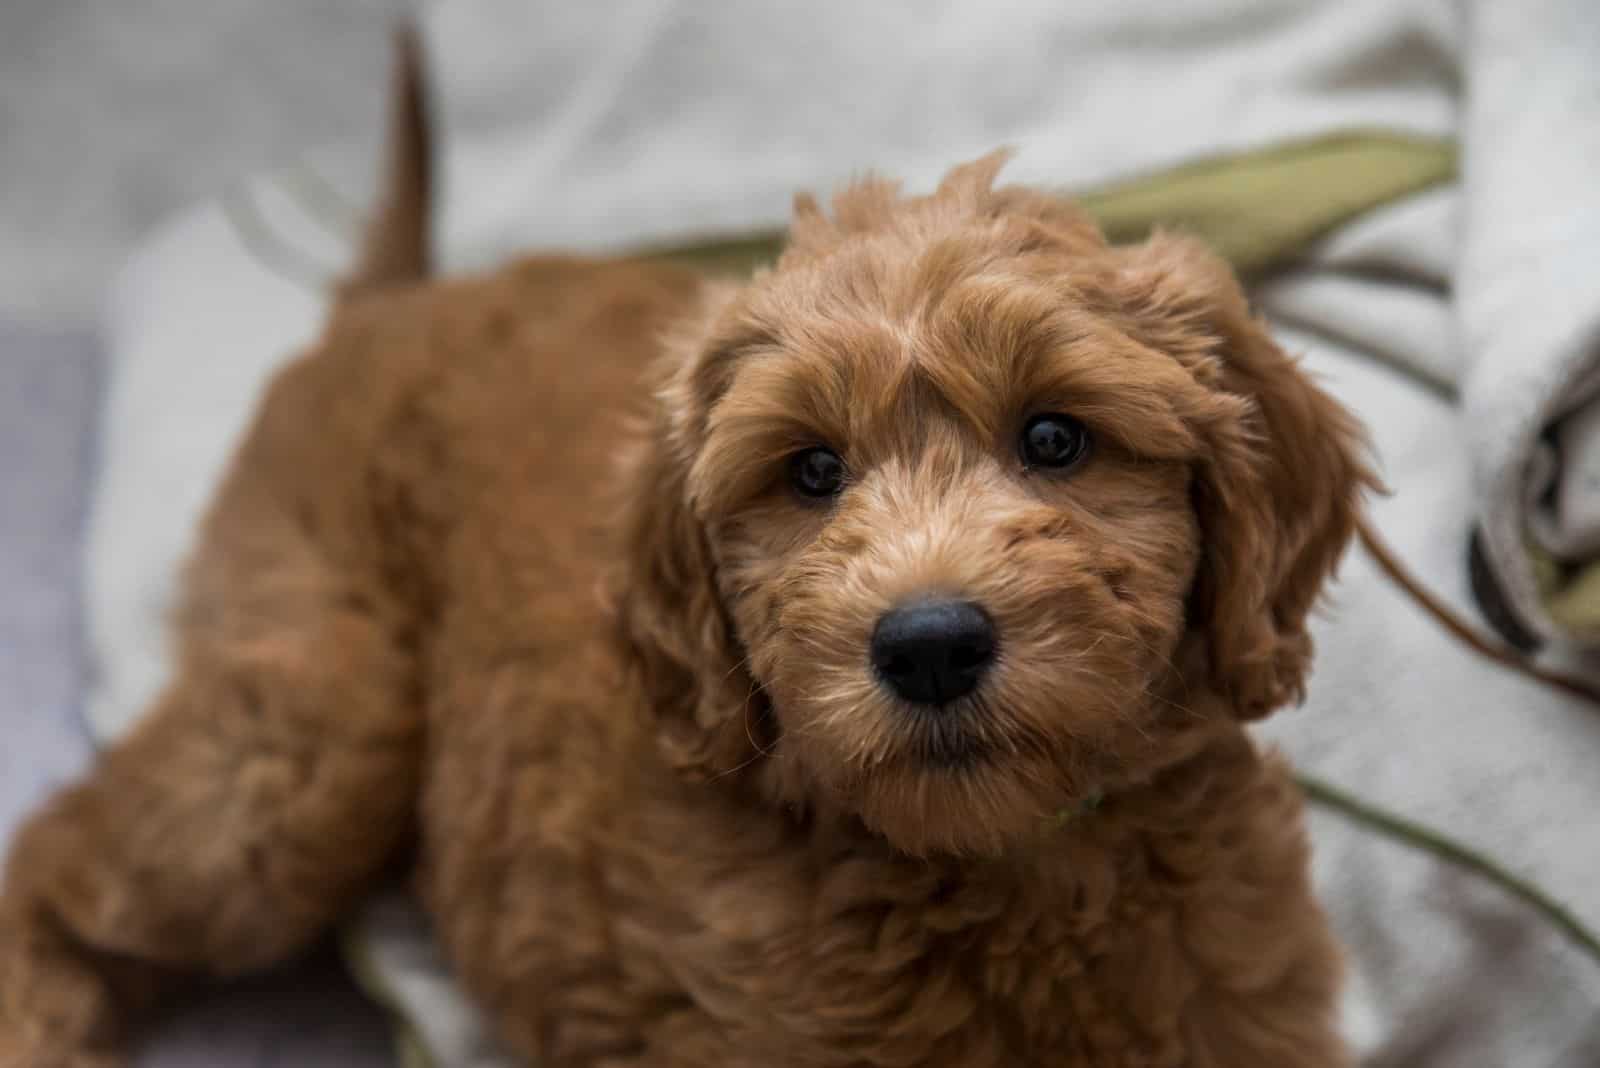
{"points": [[1279, 490]]}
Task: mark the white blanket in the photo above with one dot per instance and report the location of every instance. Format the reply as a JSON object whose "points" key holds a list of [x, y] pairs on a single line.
{"points": [[601, 125]]}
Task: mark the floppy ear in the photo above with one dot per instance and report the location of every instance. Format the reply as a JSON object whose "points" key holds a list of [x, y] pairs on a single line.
{"points": [[1279, 490], [674, 627]]}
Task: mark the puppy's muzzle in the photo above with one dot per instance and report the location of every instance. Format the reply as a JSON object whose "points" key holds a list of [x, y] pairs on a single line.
{"points": [[932, 652]]}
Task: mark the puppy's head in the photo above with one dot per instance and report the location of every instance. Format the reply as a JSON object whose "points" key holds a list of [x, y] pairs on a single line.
{"points": [[958, 516]]}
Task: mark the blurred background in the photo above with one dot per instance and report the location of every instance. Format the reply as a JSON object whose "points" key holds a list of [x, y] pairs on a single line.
{"points": [[114, 116], [1408, 186]]}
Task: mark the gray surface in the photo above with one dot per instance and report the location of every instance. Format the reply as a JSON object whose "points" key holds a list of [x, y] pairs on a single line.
{"points": [[48, 388], [305, 1017]]}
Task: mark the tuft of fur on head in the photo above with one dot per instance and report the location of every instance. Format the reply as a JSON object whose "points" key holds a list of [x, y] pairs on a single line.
{"points": [[1155, 592]]}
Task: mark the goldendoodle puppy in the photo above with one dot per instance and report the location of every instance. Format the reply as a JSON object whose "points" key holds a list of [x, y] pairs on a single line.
{"points": [[857, 677]]}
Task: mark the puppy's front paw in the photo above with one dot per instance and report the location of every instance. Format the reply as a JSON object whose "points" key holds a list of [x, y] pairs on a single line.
{"points": [[55, 1010], [24, 1056]]}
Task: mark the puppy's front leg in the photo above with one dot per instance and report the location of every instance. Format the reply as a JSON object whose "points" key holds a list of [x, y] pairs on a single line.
{"points": [[262, 794]]}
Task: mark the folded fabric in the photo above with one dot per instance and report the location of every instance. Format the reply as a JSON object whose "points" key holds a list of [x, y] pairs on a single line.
{"points": [[1528, 305], [1259, 209]]}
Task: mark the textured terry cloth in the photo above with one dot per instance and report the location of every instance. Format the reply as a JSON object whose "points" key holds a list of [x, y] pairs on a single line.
{"points": [[1528, 301], [1258, 209]]}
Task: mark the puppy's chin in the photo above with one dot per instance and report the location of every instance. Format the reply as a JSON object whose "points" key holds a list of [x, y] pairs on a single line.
{"points": [[979, 776], [929, 781], [976, 807]]}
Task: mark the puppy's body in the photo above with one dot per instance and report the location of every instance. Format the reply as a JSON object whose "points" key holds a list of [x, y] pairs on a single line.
{"points": [[607, 911], [428, 494], [668, 812]]}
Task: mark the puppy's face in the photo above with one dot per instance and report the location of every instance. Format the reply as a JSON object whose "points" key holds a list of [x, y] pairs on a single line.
{"points": [[954, 468], [954, 537]]}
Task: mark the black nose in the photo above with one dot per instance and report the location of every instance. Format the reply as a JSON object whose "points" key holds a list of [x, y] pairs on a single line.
{"points": [[932, 652]]}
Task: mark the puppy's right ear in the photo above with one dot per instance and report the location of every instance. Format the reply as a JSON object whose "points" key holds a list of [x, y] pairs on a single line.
{"points": [[1280, 488], [675, 628]]}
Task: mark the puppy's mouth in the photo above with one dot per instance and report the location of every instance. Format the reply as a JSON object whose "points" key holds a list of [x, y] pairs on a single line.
{"points": [[946, 739]]}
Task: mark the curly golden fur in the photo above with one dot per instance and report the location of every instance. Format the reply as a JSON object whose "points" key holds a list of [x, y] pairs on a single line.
{"points": [[667, 813]]}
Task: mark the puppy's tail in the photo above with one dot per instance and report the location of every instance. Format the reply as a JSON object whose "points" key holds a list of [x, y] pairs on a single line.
{"points": [[397, 246]]}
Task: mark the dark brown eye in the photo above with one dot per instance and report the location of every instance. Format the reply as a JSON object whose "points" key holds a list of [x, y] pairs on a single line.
{"points": [[817, 472], [1054, 440]]}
